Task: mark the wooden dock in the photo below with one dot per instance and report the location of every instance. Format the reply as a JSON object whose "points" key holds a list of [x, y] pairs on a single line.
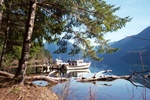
{"points": [[33, 66]]}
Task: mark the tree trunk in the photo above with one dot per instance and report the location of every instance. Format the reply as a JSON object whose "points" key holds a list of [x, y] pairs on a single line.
{"points": [[1, 12], [4, 43], [21, 70], [5, 39]]}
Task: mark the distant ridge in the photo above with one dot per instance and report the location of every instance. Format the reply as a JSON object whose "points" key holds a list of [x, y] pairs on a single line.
{"points": [[118, 61], [53, 47], [130, 48]]}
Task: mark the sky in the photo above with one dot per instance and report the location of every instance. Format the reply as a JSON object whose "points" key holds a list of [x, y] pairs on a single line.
{"points": [[138, 10]]}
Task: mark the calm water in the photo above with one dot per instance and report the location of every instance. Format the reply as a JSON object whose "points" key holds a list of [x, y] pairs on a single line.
{"points": [[101, 90]]}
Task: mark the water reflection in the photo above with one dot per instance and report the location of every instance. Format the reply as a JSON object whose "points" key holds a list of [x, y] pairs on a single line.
{"points": [[98, 90], [71, 73]]}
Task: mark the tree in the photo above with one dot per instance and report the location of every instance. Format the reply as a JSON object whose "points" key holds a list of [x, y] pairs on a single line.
{"points": [[5, 33], [80, 20], [27, 40], [84, 21], [1, 14], [11, 32], [1, 11]]}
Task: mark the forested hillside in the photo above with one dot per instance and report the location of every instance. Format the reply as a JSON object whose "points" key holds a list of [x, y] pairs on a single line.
{"points": [[130, 49]]}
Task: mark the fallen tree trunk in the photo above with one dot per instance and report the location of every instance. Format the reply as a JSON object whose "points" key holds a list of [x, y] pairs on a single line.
{"points": [[45, 78], [51, 72], [34, 78], [3, 73], [56, 80], [110, 78], [103, 78]]}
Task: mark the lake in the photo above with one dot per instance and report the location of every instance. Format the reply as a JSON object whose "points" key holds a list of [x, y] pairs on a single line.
{"points": [[119, 89]]}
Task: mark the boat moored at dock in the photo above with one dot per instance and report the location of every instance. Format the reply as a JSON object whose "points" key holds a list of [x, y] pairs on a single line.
{"points": [[71, 64]]}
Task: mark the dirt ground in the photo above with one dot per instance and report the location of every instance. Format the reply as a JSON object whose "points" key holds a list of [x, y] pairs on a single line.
{"points": [[25, 92]]}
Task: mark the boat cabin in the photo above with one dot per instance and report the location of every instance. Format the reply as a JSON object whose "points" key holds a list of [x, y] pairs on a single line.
{"points": [[58, 62], [76, 62]]}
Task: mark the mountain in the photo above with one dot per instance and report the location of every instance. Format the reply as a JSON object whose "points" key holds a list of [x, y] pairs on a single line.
{"points": [[130, 49], [53, 47], [128, 56]]}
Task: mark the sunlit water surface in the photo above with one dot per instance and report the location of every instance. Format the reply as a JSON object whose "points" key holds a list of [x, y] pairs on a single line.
{"points": [[119, 89]]}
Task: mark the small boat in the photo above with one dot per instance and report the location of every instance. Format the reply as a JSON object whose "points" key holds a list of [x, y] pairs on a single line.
{"points": [[72, 65], [77, 64], [58, 63]]}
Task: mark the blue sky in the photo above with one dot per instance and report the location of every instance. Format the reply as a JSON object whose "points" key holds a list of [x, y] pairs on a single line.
{"points": [[138, 10]]}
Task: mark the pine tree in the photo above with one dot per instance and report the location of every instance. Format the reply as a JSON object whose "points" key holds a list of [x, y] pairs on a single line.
{"points": [[83, 21]]}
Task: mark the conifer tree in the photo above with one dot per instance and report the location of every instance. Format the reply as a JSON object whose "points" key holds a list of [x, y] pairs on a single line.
{"points": [[83, 21]]}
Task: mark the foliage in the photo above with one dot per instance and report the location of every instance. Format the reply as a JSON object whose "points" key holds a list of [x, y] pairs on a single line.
{"points": [[13, 28], [42, 53], [84, 22]]}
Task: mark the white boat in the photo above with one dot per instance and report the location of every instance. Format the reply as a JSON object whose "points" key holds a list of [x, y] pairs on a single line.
{"points": [[58, 63], [72, 65], [78, 64]]}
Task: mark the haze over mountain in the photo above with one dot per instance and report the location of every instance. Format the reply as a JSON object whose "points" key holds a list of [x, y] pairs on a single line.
{"points": [[130, 49], [128, 58], [129, 54], [53, 47]]}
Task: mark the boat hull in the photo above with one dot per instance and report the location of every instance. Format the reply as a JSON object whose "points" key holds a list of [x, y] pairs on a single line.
{"points": [[87, 65]]}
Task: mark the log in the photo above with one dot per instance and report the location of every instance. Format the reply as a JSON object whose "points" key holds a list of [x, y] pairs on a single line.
{"points": [[3, 73], [40, 77], [34, 78], [104, 78], [51, 72], [79, 79], [101, 72], [109, 78], [45, 78]]}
